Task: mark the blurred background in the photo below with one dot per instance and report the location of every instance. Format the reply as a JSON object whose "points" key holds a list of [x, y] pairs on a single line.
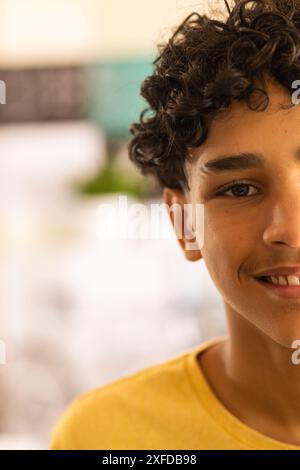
{"points": [[77, 310]]}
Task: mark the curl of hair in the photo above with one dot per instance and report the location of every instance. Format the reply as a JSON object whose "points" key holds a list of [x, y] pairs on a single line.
{"points": [[204, 66]]}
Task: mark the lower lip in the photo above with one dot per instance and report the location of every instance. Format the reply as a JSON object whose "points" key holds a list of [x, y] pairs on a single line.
{"points": [[282, 291]]}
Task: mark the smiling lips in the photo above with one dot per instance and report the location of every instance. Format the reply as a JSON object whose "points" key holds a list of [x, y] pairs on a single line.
{"points": [[281, 276], [281, 271], [282, 280], [283, 285]]}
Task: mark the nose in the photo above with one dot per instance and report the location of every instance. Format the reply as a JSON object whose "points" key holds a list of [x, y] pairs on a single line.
{"points": [[284, 218]]}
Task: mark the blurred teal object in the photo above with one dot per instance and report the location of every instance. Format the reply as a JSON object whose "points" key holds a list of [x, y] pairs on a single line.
{"points": [[115, 100]]}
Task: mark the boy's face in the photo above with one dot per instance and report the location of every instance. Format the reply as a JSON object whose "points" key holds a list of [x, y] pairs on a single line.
{"points": [[260, 229]]}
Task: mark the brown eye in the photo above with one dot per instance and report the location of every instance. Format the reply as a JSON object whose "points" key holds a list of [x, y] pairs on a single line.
{"points": [[238, 190]]}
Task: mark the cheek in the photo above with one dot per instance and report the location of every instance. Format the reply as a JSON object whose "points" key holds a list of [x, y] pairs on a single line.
{"points": [[228, 229], [226, 247], [223, 233]]}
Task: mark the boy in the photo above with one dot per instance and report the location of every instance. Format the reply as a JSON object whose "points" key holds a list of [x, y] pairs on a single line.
{"points": [[225, 133]]}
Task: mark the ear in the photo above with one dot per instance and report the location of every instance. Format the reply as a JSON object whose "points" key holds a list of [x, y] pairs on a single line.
{"points": [[177, 199]]}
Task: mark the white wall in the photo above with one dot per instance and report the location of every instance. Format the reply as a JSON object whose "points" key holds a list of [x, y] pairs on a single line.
{"points": [[38, 32]]}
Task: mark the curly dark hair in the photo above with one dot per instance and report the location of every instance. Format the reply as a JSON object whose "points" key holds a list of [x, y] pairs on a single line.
{"points": [[205, 65]]}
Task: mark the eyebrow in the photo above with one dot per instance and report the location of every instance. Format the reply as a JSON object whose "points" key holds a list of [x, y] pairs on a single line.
{"points": [[240, 161]]}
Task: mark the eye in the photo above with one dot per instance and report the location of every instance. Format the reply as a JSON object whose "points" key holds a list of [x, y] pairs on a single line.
{"points": [[238, 190]]}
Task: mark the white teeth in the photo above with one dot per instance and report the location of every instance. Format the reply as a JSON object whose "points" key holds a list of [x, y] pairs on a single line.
{"points": [[274, 280], [285, 280], [293, 281], [282, 281]]}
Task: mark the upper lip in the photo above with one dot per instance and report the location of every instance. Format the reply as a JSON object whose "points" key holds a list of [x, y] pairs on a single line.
{"points": [[281, 271]]}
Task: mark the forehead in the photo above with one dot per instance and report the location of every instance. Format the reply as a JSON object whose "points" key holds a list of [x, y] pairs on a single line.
{"points": [[239, 129]]}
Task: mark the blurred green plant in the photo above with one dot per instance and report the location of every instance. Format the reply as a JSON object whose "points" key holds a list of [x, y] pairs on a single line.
{"points": [[114, 178]]}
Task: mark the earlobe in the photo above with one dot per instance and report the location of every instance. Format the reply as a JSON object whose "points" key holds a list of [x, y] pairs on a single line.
{"points": [[192, 254], [176, 199]]}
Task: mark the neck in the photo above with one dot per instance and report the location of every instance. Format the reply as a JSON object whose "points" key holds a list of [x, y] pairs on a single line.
{"points": [[263, 370]]}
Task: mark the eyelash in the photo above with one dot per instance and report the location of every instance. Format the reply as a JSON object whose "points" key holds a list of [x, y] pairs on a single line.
{"points": [[231, 186]]}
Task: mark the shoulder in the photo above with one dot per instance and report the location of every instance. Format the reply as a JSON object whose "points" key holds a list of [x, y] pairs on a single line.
{"points": [[102, 411]]}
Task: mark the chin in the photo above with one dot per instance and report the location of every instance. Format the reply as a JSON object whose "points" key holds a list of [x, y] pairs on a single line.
{"points": [[286, 330]]}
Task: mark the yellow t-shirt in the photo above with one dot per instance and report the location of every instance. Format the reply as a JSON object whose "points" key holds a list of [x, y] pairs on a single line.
{"points": [[169, 405]]}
